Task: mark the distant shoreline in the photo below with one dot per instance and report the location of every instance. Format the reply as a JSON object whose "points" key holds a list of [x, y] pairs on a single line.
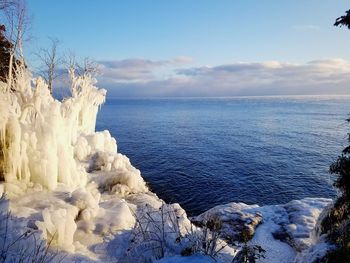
{"points": [[325, 96]]}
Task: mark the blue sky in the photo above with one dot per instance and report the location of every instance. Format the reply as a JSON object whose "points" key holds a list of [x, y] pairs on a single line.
{"points": [[162, 39]]}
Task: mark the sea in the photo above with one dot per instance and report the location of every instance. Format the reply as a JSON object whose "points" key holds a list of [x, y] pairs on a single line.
{"points": [[203, 152]]}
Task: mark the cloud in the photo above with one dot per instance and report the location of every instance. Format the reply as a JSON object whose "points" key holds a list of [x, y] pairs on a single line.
{"points": [[137, 70], [147, 78]]}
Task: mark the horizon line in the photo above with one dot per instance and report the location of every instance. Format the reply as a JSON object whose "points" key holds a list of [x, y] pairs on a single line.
{"points": [[227, 97]]}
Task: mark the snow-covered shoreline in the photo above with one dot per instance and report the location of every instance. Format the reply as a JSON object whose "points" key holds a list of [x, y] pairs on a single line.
{"points": [[285, 231], [68, 185], [107, 237]]}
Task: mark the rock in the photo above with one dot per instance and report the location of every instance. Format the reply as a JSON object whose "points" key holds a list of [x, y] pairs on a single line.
{"points": [[237, 224], [299, 228]]}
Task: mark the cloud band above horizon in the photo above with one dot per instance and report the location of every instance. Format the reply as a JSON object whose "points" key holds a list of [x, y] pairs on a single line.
{"points": [[174, 78]]}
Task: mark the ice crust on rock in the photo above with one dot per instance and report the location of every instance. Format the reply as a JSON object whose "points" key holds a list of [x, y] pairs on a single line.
{"points": [[287, 232], [302, 219], [58, 224], [236, 218]]}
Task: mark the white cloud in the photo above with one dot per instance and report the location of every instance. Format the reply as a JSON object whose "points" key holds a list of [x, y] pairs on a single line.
{"points": [[138, 70], [142, 78]]}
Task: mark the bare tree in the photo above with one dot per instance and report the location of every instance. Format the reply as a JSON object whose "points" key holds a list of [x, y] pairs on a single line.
{"points": [[50, 62], [88, 66], [85, 66], [73, 65], [4, 4], [17, 23]]}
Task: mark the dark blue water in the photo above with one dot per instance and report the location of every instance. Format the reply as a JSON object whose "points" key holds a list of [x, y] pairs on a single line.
{"points": [[205, 152]]}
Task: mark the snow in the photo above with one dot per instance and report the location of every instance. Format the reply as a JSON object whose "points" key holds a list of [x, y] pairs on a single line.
{"points": [[296, 221], [236, 218], [303, 215], [276, 251], [315, 252], [68, 185], [191, 259], [58, 224]]}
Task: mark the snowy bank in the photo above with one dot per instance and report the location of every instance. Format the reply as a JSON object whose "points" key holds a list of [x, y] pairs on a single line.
{"points": [[287, 232]]}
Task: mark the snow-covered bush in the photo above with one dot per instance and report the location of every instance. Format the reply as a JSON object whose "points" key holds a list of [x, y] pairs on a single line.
{"points": [[165, 230], [159, 231]]}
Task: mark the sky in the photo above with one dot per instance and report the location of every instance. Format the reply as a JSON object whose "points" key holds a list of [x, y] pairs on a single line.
{"points": [[148, 48]]}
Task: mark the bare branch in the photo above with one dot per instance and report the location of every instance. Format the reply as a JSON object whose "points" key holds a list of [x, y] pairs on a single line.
{"points": [[4, 4], [16, 24], [50, 61], [85, 66]]}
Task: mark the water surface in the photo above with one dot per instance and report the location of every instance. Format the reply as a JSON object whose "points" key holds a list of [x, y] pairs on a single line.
{"points": [[205, 152]]}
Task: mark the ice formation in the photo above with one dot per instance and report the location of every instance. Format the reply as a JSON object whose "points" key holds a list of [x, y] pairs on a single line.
{"points": [[46, 142], [69, 185], [48, 145]]}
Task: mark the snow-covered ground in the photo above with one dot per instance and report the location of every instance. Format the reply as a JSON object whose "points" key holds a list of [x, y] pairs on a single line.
{"points": [[67, 185], [287, 232]]}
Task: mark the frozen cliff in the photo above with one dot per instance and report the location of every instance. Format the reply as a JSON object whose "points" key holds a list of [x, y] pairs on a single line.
{"points": [[67, 188]]}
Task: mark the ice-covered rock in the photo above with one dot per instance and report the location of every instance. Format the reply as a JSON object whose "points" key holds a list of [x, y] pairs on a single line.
{"points": [[238, 221], [298, 227], [286, 232], [315, 252], [58, 225]]}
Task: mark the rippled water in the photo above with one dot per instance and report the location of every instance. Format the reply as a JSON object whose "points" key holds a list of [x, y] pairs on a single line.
{"points": [[205, 152]]}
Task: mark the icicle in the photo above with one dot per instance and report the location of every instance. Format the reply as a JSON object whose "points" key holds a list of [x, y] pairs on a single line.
{"points": [[38, 133]]}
